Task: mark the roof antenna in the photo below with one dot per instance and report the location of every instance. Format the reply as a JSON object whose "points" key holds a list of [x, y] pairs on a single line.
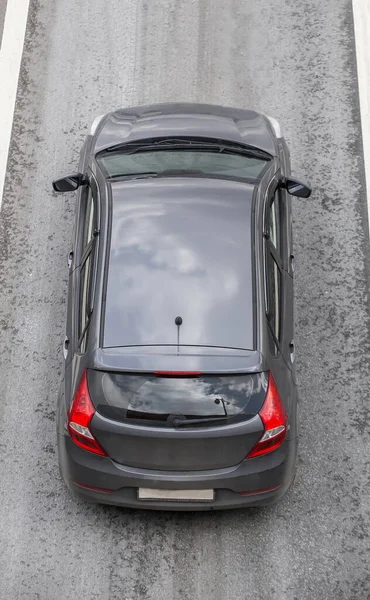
{"points": [[178, 322]]}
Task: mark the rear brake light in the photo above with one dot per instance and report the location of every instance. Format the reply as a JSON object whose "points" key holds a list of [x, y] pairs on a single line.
{"points": [[177, 373], [79, 418], [275, 421]]}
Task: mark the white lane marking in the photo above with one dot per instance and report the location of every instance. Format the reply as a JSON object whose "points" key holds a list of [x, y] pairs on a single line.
{"points": [[15, 23], [361, 18]]}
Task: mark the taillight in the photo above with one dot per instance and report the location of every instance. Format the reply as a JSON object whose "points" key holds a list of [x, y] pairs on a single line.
{"points": [[274, 419], [79, 418]]}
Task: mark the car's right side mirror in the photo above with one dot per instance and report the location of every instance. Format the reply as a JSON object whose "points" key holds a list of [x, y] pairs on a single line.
{"points": [[69, 183], [295, 187]]}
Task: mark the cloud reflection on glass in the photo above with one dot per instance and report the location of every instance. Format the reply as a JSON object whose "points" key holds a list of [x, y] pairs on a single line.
{"points": [[204, 396], [177, 249]]}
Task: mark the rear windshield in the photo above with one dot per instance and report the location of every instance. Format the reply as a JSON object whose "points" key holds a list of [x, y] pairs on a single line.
{"points": [[126, 397], [202, 162]]}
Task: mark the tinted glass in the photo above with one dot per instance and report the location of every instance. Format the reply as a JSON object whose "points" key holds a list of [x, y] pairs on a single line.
{"points": [[274, 292], [275, 222], [89, 220], [180, 250], [147, 397], [84, 295], [117, 164]]}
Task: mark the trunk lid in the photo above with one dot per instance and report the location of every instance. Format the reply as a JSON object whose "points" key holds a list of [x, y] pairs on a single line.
{"points": [[177, 423], [166, 449]]}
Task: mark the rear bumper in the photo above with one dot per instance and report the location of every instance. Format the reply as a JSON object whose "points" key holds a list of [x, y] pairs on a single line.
{"points": [[273, 472]]}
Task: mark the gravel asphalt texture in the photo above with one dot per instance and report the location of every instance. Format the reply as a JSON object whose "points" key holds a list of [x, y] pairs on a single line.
{"points": [[294, 60]]}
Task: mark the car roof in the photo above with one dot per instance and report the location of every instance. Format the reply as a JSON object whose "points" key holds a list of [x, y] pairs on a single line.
{"points": [[180, 247]]}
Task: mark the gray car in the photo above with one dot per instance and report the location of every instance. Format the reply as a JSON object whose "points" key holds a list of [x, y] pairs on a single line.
{"points": [[179, 388]]}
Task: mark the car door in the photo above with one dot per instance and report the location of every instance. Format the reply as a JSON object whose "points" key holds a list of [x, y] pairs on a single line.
{"points": [[83, 231], [71, 262], [289, 317], [280, 282], [79, 293], [287, 204]]}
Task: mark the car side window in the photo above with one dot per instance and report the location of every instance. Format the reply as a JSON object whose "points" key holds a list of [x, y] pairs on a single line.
{"points": [[274, 295], [88, 231], [273, 267], [86, 274], [275, 221], [84, 311]]}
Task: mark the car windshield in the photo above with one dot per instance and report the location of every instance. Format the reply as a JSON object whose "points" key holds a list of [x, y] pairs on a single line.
{"points": [[219, 163]]}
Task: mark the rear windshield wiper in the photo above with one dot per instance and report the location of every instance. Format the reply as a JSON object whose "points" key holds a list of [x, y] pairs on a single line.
{"points": [[176, 172], [185, 422]]}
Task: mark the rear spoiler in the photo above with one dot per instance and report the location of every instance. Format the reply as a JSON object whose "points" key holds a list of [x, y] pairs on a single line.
{"points": [[205, 359]]}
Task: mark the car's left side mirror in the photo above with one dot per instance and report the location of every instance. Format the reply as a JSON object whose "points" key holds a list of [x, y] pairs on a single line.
{"points": [[295, 187], [69, 183]]}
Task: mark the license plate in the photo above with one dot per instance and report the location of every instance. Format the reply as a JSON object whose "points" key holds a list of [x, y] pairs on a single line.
{"points": [[179, 495]]}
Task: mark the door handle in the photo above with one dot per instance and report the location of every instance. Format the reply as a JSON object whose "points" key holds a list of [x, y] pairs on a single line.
{"points": [[292, 262], [69, 259], [292, 352], [65, 347]]}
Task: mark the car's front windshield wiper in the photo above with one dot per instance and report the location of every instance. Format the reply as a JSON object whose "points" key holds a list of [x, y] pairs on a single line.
{"points": [[183, 144], [165, 173], [127, 150], [135, 175], [140, 145]]}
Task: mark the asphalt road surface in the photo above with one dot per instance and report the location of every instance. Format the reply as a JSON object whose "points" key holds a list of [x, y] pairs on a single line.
{"points": [[2, 15], [295, 60]]}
